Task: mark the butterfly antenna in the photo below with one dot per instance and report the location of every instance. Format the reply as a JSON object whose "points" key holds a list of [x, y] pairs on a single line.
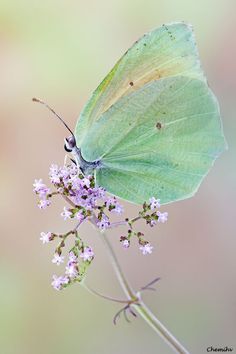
{"points": [[52, 110]]}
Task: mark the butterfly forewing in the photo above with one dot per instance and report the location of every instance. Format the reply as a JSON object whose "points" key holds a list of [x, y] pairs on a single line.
{"points": [[166, 51]]}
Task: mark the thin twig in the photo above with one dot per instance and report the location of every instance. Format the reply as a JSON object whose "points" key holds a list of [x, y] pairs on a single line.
{"points": [[117, 224], [149, 284], [136, 219], [94, 292], [68, 200]]}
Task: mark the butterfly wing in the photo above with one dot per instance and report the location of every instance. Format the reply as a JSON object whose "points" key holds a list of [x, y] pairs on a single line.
{"points": [[157, 141], [166, 51]]}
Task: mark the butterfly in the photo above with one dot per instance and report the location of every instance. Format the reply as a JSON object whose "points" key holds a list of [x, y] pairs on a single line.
{"points": [[152, 127]]}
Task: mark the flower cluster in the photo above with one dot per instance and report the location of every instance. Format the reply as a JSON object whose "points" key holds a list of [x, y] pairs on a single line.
{"points": [[152, 216], [73, 271], [88, 202]]}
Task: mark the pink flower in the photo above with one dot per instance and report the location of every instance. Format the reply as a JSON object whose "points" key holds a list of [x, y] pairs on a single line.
{"points": [[45, 237], [118, 209], [87, 255], [104, 223], [146, 249], [72, 258], [54, 174], [85, 182], [79, 215], [71, 271], [38, 185], [40, 188], [44, 203], [58, 259], [66, 214], [126, 243], [153, 222], [58, 282], [162, 217], [76, 182], [154, 203], [114, 206]]}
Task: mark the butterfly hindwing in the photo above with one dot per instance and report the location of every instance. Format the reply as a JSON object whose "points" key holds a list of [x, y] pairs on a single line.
{"points": [[158, 141]]}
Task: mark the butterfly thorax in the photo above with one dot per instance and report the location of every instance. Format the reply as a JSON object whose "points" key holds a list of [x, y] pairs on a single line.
{"points": [[86, 167]]}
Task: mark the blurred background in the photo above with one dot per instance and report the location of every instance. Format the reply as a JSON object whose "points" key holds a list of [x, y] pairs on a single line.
{"points": [[59, 51]]}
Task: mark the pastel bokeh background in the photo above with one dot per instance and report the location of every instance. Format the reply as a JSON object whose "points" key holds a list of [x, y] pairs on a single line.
{"points": [[59, 51]]}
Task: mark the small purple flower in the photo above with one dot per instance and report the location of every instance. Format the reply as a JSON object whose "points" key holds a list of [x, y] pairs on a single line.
{"points": [[58, 282], [44, 203], [90, 203], [126, 243], [54, 172], [146, 249], [58, 259], [87, 255], [72, 258], [162, 217], [76, 198], [66, 214], [55, 179], [114, 205], [40, 188], [104, 223], [71, 270], [118, 209], [154, 203], [65, 176], [76, 182], [153, 223], [45, 237], [73, 169], [53, 169], [111, 201], [44, 192], [99, 192], [79, 215], [85, 182], [38, 185]]}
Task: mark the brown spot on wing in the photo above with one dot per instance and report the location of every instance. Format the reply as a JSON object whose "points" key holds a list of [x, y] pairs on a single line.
{"points": [[158, 125]]}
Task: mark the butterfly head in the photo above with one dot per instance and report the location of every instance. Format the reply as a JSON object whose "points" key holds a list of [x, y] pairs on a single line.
{"points": [[70, 146], [70, 143]]}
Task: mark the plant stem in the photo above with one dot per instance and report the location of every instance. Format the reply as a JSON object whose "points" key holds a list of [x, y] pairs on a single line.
{"points": [[134, 298], [94, 292], [140, 306], [129, 292], [68, 200], [159, 328]]}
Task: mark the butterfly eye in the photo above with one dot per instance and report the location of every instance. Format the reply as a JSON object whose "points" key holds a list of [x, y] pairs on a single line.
{"points": [[70, 143], [66, 148]]}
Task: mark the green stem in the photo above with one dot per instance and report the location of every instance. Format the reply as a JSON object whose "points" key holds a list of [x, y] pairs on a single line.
{"points": [[159, 328], [119, 273], [135, 299], [94, 292], [140, 306]]}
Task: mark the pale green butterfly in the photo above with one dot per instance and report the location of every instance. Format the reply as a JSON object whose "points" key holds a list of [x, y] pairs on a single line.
{"points": [[152, 127]]}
